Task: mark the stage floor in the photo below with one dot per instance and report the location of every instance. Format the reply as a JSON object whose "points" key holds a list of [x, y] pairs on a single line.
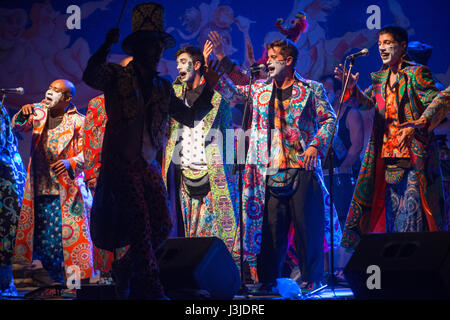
{"points": [[33, 293], [35, 284]]}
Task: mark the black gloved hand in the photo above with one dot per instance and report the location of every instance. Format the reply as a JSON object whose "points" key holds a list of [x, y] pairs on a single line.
{"points": [[112, 36]]}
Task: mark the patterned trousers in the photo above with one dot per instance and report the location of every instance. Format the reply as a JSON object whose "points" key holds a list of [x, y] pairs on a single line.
{"points": [[47, 243], [403, 206], [200, 220], [198, 214]]}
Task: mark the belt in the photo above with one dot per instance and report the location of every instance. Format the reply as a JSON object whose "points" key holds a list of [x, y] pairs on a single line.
{"points": [[338, 171], [398, 162]]}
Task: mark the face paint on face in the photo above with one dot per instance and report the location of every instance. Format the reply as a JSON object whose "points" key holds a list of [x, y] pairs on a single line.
{"points": [[52, 97], [390, 53], [276, 67], [185, 67], [390, 50]]}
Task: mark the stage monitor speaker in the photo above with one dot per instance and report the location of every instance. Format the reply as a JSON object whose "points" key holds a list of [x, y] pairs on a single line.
{"points": [[198, 264], [410, 265], [94, 291]]}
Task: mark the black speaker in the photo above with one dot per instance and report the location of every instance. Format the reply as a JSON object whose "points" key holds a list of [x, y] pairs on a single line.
{"points": [[189, 265], [94, 291], [410, 265]]}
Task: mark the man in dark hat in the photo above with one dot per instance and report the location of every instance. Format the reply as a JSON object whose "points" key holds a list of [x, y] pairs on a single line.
{"points": [[130, 203]]}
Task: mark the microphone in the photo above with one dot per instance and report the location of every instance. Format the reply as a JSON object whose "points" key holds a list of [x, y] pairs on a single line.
{"points": [[13, 90], [362, 53], [256, 68]]}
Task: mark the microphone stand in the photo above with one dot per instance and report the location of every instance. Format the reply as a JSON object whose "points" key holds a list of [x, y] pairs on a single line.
{"points": [[240, 168], [332, 281]]}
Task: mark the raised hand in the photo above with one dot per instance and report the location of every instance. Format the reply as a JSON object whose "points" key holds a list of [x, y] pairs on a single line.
{"points": [[341, 76], [213, 73], [217, 42], [207, 50], [112, 36]]}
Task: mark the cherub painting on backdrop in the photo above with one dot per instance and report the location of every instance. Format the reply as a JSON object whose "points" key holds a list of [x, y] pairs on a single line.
{"points": [[45, 50], [198, 22], [318, 53], [34, 56]]}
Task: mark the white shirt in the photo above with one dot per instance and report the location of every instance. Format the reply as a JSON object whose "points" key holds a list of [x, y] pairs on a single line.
{"points": [[193, 146]]}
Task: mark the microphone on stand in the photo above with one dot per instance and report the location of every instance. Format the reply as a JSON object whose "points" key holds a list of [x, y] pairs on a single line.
{"points": [[13, 90], [364, 52], [256, 68]]}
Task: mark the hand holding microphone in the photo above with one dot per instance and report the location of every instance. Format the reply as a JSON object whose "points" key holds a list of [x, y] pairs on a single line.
{"points": [[25, 112]]}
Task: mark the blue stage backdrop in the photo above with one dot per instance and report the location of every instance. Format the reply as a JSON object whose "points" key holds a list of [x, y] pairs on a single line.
{"points": [[41, 41]]}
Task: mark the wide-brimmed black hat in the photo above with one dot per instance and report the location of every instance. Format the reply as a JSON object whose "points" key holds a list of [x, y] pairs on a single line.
{"points": [[147, 23]]}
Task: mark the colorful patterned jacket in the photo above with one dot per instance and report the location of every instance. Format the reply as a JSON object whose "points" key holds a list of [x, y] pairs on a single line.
{"points": [[314, 117], [93, 132], [416, 89], [221, 178], [75, 198], [438, 109], [12, 182]]}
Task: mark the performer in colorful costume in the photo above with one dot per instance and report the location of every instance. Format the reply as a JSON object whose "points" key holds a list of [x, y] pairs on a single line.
{"points": [[291, 121], [210, 207], [54, 216], [12, 182], [399, 188]]}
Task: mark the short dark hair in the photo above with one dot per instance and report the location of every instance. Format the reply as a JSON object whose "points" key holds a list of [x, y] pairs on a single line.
{"points": [[399, 34], [195, 53], [287, 49]]}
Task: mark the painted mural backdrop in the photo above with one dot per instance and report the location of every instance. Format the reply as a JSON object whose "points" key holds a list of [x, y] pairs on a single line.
{"points": [[41, 41]]}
